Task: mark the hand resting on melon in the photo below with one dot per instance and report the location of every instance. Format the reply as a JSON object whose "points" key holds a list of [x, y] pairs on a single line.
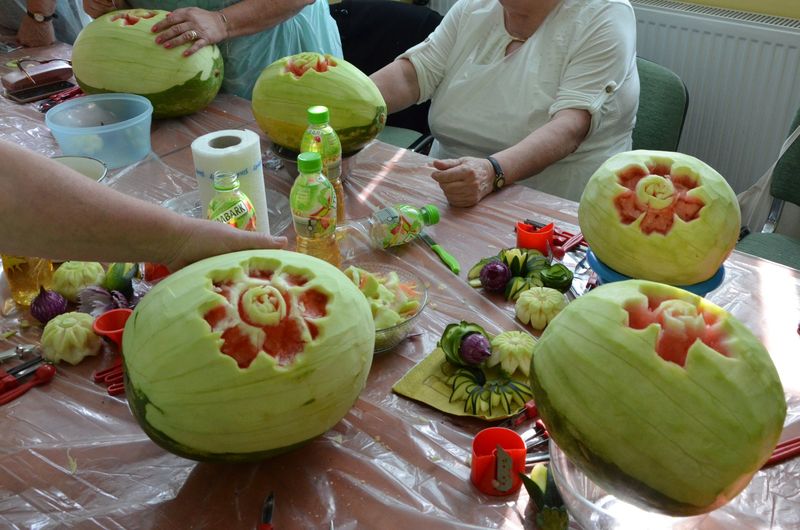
{"points": [[51, 211], [550, 93], [202, 27]]}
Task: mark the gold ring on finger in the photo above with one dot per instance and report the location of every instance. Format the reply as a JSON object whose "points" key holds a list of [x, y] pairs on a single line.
{"points": [[192, 35]]}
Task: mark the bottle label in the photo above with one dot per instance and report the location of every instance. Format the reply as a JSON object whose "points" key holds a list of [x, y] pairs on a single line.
{"points": [[313, 204], [323, 140], [395, 226], [236, 211]]}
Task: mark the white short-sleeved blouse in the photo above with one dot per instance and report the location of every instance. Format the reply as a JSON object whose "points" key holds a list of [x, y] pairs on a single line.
{"points": [[583, 56]]}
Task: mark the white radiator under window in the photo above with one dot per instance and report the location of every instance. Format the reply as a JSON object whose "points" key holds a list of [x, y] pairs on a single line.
{"points": [[742, 71]]}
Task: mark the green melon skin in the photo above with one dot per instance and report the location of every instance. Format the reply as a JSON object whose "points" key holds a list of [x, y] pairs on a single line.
{"points": [[281, 100], [196, 402], [690, 253], [110, 56], [680, 440]]}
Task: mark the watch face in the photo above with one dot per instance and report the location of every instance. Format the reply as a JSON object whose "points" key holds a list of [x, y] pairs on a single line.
{"points": [[499, 182]]}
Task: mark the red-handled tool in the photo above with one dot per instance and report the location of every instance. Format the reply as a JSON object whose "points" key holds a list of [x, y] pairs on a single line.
{"points": [[528, 413], [266, 513], [43, 374], [10, 379]]}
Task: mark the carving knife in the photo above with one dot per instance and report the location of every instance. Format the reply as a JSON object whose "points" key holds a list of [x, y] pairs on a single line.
{"points": [[446, 257]]}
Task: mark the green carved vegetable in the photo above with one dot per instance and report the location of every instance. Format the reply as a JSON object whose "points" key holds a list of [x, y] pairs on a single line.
{"points": [[117, 52], [71, 277], [660, 216], [247, 355], [662, 398], [538, 306], [69, 337], [287, 87]]}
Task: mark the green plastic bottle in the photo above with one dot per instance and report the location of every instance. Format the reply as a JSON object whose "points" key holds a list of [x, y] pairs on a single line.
{"points": [[320, 138], [313, 203], [229, 204], [398, 224]]}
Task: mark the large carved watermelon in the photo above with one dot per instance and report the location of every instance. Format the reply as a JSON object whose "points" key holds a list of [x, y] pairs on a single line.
{"points": [[117, 52], [287, 87], [246, 355], [661, 397], [660, 216]]}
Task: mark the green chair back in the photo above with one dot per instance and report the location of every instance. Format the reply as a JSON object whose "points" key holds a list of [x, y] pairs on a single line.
{"points": [[786, 175], [663, 101]]}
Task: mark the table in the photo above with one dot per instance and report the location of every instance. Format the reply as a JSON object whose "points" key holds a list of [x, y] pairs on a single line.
{"points": [[70, 455]]}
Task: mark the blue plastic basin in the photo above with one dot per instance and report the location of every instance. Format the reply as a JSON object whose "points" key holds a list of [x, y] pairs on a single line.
{"points": [[113, 128], [608, 275]]}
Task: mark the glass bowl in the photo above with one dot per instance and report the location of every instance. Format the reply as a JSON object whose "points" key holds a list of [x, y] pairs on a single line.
{"points": [[388, 338], [592, 507]]}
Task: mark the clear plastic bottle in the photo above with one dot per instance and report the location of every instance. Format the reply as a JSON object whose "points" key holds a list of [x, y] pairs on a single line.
{"points": [[398, 224], [229, 204], [321, 138], [25, 275], [313, 204]]}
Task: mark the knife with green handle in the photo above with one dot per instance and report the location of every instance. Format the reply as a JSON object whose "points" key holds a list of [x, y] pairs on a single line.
{"points": [[447, 259]]}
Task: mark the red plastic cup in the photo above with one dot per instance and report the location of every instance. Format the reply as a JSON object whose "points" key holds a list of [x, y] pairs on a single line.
{"points": [[111, 324], [529, 236], [492, 473]]}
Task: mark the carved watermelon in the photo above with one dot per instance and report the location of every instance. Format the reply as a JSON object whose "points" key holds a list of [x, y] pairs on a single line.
{"points": [[660, 216], [117, 52], [661, 397], [246, 355], [288, 87]]}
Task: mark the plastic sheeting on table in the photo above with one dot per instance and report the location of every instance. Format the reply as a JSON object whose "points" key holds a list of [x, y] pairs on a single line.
{"points": [[73, 456]]}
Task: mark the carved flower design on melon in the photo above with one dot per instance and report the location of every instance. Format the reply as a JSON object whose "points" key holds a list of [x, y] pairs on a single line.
{"points": [[682, 324], [266, 311], [131, 17], [657, 196]]}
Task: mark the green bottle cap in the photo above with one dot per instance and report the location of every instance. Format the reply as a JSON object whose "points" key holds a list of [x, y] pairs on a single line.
{"points": [[225, 181], [318, 115], [430, 214], [309, 162]]}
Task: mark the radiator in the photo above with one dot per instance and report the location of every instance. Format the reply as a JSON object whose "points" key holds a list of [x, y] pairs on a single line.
{"points": [[742, 72]]}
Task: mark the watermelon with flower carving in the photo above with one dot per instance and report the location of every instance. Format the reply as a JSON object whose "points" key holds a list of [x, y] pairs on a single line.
{"points": [[660, 216], [662, 398], [246, 355]]}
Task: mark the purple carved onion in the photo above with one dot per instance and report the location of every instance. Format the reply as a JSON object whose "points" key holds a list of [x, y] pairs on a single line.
{"points": [[475, 349], [47, 305], [494, 276]]}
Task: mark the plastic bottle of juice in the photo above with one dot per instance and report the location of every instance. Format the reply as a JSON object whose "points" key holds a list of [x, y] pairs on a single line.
{"points": [[396, 225], [321, 138], [313, 204], [25, 275], [229, 204]]}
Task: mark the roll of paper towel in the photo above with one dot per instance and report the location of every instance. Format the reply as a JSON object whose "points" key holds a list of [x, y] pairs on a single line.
{"points": [[232, 151]]}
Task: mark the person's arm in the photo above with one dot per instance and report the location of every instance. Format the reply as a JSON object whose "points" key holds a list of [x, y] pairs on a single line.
{"points": [[465, 181], [50, 211], [398, 84], [210, 27], [32, 33]]}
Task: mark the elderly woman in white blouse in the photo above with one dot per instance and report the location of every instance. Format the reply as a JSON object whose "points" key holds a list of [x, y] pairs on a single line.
{"points": [[537, 90]]}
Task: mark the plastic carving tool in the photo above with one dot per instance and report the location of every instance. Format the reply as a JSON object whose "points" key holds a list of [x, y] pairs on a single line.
{"points": [[446, 257]]}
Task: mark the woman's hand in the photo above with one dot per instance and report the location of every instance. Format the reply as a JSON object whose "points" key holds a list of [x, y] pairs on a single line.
{"points": [[464, 181], [96, 8], [191, 25]]}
